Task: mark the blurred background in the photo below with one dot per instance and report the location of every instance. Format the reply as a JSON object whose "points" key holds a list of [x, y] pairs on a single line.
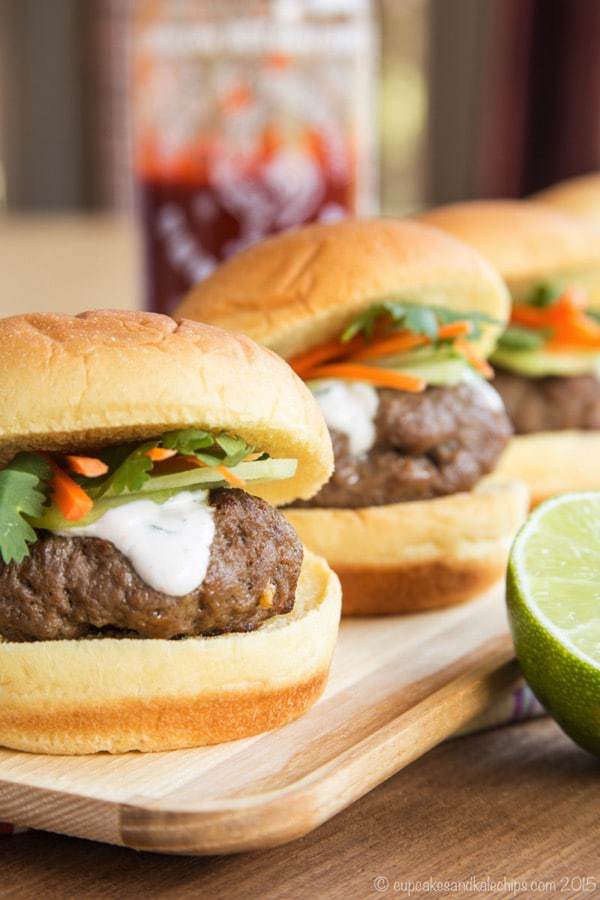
{"points": [[217, 122]]}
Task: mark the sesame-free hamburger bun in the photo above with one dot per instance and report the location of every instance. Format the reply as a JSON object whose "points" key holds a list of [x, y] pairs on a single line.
{"points": [[111, 376], [525, 242], [529, 243], [105, 378], [122, 694], [301, 289], [579, 197]]}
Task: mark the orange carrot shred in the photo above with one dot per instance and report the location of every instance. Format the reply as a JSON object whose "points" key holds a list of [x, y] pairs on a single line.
{"points": [[230, 478], [481, 365], [395, 344], [567, 320], [70, 498], [89, 466], [460, 328], [158, 454], [322, 353], [372, 374], [226, 473]]}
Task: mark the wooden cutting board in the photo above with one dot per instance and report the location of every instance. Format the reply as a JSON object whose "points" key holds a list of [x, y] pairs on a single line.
{"points": [[398, 687]]}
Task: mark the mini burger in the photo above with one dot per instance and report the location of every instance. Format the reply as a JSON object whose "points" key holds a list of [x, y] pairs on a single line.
{"points": [[150, 595], [578, 197], [548, 359], [389, 324]]}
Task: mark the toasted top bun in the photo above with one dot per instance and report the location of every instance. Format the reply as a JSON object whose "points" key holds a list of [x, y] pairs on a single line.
{"points": [[303, 287], [579, 197], [110, 376], [526, 242]]}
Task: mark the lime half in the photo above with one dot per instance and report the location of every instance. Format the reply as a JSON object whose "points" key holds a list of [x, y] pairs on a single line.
{"points": [[553, 595]]}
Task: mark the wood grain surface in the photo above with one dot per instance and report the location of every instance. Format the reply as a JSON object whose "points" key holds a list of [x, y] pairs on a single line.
{"points": [[517, 803], [398, 687]]}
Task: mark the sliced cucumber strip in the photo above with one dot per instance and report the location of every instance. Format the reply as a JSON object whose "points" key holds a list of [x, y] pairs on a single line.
{"points": [[538, 363], [260, 470], [161, 487]]}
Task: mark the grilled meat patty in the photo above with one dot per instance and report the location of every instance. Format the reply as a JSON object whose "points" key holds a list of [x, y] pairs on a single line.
{"points": [[80, 586], [550, 404], [439, 442]]}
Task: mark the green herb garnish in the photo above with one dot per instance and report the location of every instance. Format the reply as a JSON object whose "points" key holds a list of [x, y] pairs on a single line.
{"points": [[545, 294], [25, 482], [517, 337], [24, 489], [417, 319], [130, 467]]}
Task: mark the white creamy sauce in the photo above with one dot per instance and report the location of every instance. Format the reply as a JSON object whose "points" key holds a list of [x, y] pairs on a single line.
{"points": [[167, 544], [487, 392], [350, 408]]}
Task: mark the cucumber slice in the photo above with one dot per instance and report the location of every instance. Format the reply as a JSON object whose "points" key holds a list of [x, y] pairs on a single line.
{"points": [[162, 487], [260, 470], [438, 367], [445, 372], [538, 363]]}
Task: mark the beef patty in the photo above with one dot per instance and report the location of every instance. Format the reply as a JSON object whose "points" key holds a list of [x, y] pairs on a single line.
{"points": [[75, 587], [551, 403], [439, 442]]}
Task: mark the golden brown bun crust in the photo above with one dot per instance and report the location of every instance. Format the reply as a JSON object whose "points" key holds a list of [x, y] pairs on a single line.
{"points": [[108, 376], [579, 197], [553, 462], [426, 554], [119, 695], [303, 287], [526, 242]]}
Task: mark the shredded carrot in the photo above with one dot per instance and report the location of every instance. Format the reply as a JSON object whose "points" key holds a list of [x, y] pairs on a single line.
{"points": [[461, 328], [230, 478], [526, 315], [567, 320], [226, 473], [473, 358], [372, 374], [158, 454], [89, 466], [324, 353], [397, 343], [70, 498], [252, 456], [408, 340]]}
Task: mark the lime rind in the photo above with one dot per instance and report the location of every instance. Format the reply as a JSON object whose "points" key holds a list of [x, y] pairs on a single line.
{"points": [[553, 599], [540, 566]]}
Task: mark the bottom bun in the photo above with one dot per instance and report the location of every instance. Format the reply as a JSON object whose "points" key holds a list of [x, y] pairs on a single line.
{"points": [[425, 554], [553, 462], [125, 694]]}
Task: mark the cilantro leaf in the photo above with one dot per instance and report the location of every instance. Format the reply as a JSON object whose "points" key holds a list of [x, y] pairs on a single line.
{"points": [[412, 317], [24, 492], [187, 440], [130, 467], [545, 294], [235, 449], [518, 338], [421, 320], [222, 449], [128, 476]]}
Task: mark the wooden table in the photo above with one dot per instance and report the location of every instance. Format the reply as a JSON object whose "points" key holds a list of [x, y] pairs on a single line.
{"points": [[67, 264], [517, 803]]}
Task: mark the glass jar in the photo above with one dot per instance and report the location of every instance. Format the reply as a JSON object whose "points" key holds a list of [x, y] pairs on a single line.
{"points": [[249, 118]]}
